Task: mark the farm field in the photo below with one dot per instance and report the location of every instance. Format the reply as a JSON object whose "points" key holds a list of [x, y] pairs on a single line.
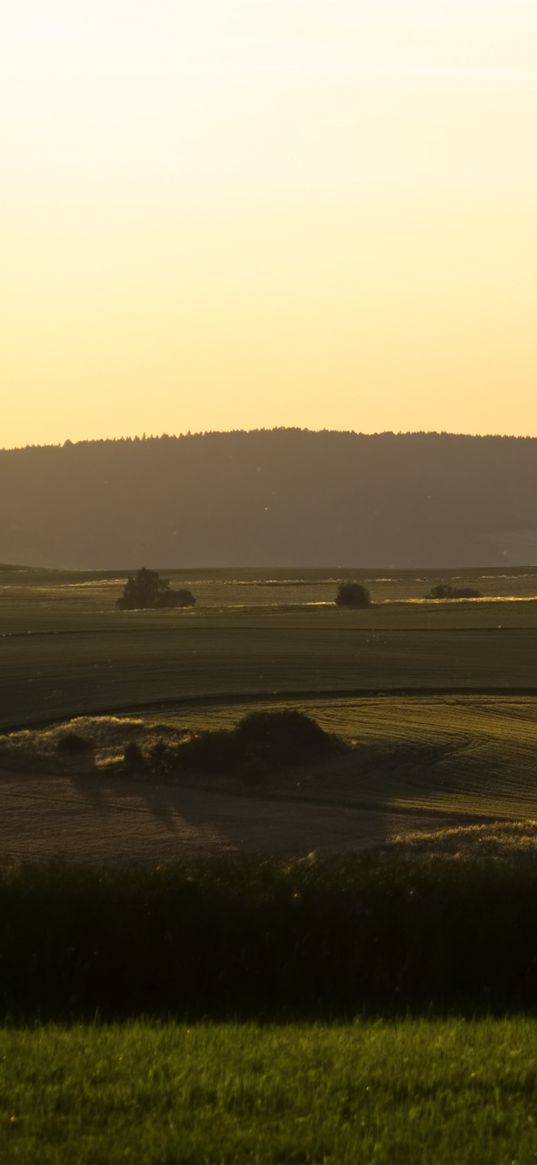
{"points": [[45, 678], [119, 820], [462, 743], [471, 756], [474, 755], [406, 1092], [65, 650], [415, 763]]}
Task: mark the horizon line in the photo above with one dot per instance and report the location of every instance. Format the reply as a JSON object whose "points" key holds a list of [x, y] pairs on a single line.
{"points": [[134, 438]]}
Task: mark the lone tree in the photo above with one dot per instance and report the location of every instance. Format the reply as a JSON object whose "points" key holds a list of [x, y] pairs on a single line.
{"points": [[352, 594], [147, 589]]}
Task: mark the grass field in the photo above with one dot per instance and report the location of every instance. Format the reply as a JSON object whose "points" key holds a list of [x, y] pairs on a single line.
{"points": [[404, 1092], [66, 650]]}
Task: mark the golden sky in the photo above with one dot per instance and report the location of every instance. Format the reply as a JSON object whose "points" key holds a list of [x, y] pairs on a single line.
{"points": [[243, 213]]}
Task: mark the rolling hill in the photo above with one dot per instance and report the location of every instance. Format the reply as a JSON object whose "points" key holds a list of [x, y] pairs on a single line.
{"points": [[283, 497]]}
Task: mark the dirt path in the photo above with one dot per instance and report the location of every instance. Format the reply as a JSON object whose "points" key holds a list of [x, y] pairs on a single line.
{"points": [[114, 818]]}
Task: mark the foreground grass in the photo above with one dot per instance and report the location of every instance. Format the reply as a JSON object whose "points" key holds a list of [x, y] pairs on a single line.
{"points": [[412, 1091]]}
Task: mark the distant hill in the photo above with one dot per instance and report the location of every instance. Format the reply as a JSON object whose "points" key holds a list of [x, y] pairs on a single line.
{"points": [[284, 497]]}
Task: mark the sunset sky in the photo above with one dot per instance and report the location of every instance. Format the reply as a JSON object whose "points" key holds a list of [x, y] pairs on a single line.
{"points": [[223, 214]]}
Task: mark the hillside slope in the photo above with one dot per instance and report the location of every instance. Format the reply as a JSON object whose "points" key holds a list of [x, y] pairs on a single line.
{"points": [[283, 497]]}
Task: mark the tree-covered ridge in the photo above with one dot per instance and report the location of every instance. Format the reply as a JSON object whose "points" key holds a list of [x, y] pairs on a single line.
{"points": [[284, 497]]}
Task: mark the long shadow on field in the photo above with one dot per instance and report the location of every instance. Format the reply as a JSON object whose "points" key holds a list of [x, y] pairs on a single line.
{"points": [[163, 821], [107, 796]]}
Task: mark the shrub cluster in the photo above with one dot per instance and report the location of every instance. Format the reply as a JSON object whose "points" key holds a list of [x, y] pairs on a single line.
{"points": [[446, 591], [261, 741], [73, 744], [352, 594]]}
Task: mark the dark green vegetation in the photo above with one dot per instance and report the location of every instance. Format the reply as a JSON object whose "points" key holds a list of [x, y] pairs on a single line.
{"points": [[407, 1092], [409, 929], [469, 755], [447, 591], [352, 594], [286, 496], [66, 649], [260, 744], [146, 589]]}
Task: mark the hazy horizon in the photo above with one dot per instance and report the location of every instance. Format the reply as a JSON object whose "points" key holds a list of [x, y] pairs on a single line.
{"points": [[250, 214], [292, 497]]}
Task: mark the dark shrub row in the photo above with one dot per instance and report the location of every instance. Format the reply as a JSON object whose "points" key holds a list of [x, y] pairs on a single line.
{"points": [[373, 934], [446, 591]]}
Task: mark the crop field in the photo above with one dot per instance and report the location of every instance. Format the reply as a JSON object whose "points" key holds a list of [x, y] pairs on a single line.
{"points": [[465, 756], [438, 698], [66, 650], [462, 755]]}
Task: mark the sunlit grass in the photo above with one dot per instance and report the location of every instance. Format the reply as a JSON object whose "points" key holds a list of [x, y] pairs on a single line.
{"points": [[381, 1093], [465, 755]]}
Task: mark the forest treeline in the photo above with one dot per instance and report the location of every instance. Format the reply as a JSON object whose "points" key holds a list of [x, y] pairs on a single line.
{"points": [[281, 497]]}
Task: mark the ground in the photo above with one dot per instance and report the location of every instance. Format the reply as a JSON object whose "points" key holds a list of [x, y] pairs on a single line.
{"points": [[118, 819]]}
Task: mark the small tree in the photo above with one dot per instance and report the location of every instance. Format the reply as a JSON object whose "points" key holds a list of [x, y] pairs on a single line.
{"points": [[146, 589], [352, 594]]}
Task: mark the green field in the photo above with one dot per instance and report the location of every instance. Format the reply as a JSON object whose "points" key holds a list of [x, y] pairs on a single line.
{"points": [[66, 650], [407, 1092], [468, 747]]}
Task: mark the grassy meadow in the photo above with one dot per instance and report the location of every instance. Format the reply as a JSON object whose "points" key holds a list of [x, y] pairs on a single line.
{"points": [[365, 1092]]}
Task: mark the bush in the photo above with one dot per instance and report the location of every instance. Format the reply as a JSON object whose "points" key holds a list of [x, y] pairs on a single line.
{"points": [[286, 737], [181, 598], [133, 756], [72, 744], [446, 591], [210, 753], [352, 594], [261, 741]]}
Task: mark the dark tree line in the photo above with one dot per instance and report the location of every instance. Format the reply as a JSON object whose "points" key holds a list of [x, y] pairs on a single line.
{"points": [[283, 497]]}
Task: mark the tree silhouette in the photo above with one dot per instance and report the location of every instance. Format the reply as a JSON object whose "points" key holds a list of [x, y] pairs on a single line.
{"points": [[146, 589], [352, 594]]}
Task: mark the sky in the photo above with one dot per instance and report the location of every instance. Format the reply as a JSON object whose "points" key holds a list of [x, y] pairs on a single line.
{"points": [[231, 214]]}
